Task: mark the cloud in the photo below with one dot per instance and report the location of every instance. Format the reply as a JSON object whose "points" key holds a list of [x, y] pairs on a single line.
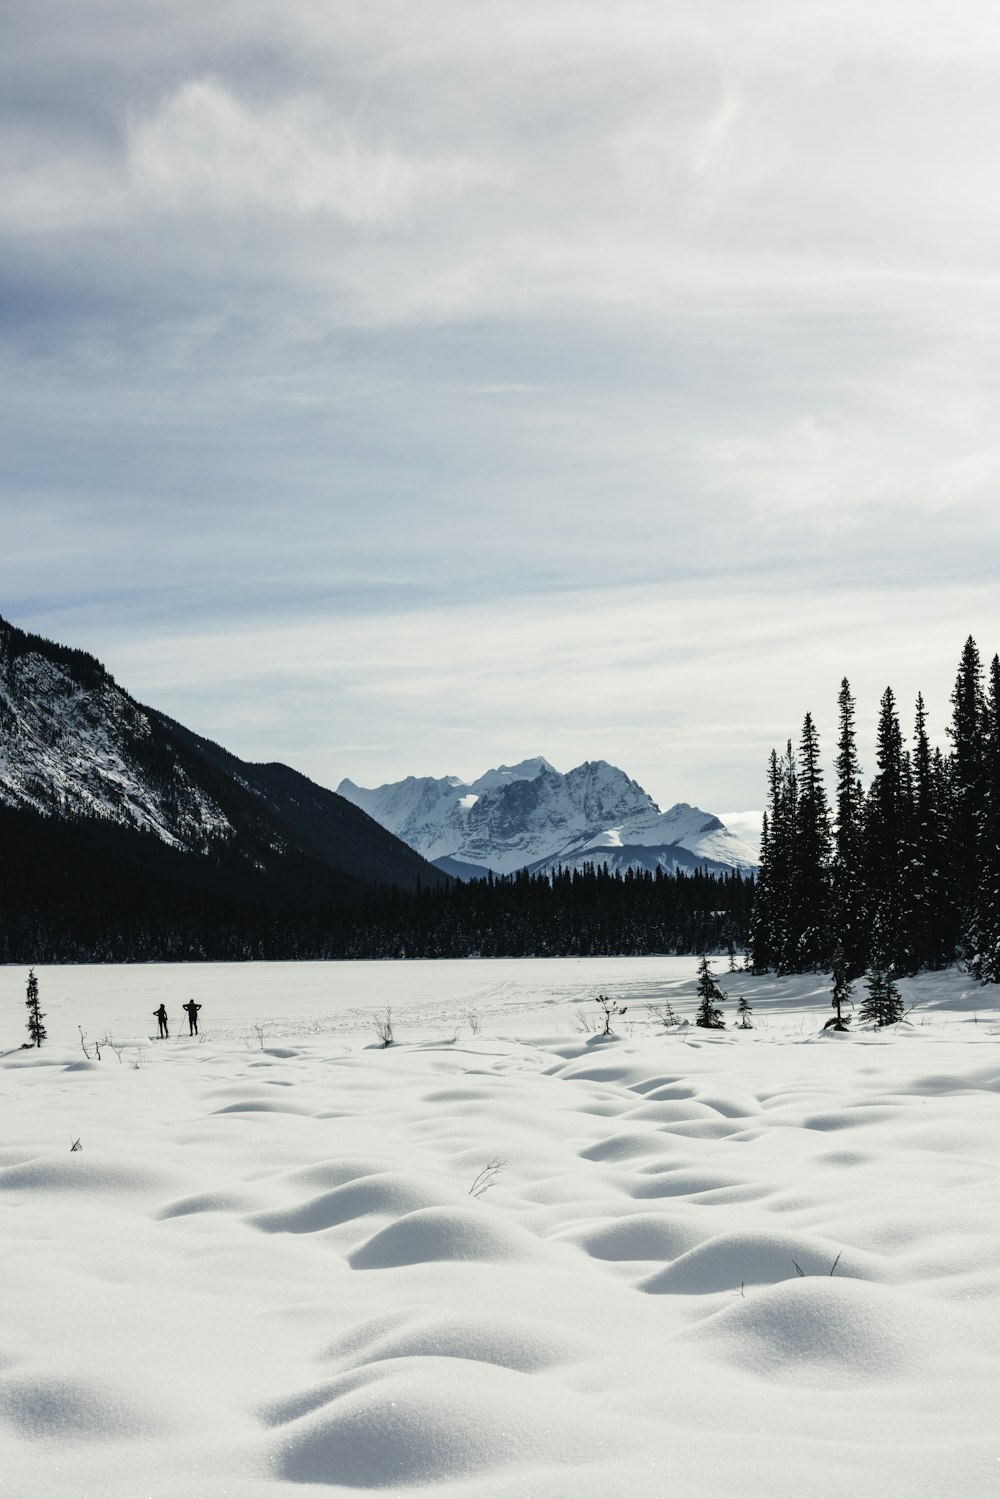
{"points": [[207, 147], [454, 332]]}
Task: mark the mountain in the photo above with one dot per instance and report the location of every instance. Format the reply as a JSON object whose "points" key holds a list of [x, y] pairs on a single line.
{"points": [[78, 749], [531, 816]]}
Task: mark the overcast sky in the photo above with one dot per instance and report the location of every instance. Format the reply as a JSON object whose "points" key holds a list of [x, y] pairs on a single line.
{"points": [[394, 387]]}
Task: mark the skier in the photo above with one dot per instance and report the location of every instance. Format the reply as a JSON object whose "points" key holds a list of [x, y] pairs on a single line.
{"points": [[161, 1015], [191, 1009]]}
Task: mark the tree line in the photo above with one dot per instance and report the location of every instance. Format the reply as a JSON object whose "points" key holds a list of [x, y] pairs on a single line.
{"points": [[900, 876], [84, 890]]}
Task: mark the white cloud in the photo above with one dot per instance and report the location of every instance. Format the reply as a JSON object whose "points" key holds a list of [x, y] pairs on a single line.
{"points": [[206, 146]]}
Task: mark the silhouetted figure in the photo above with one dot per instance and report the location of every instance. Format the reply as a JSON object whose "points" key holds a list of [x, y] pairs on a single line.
{"points": [[191, 1010], [161, 1015]]}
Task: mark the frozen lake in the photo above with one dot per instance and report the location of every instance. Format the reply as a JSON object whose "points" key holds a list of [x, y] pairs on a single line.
{"points": [[426, 998]]}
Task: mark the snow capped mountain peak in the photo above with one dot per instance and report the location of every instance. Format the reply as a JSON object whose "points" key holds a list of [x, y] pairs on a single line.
{"points": [[530, 816], [503, 775]]}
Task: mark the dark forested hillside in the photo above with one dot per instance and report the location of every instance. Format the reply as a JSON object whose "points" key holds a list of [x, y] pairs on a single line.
{"points": [[87, 890]]}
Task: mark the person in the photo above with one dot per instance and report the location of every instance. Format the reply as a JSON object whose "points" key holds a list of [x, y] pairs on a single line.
{"points": [[161, 1015], [191, 1010]]}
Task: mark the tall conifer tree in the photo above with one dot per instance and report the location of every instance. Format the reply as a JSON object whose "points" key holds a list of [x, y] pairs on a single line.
{"points": [[984, 929], [810, 937], [847, 875], [968, 790], [885, 821], [929, 903]]}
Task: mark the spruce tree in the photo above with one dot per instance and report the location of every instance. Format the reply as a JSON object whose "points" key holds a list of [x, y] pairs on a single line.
{"points": [[744, 1011], [848, 886], [968, 776], [842, 990], [810, 937], [36, 1027], [775, 947], [710, 996], [769, 921], [885, 825], [984, 926], [883, 1002], [929, 907]]}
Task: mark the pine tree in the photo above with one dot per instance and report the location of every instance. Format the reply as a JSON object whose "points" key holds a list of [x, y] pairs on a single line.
{"points": [[847, 876], [744, 1011], [883, 1002], [967, 765], [769, 919], [709, 996], [36, 1028], [770, 939], [842, 990], [885, 824], [984, 928], [929, 907], [810, 940]]}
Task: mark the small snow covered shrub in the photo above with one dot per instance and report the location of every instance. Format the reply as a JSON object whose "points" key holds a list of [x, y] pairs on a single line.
{"points": [[610, 1008], [382, 1021]]}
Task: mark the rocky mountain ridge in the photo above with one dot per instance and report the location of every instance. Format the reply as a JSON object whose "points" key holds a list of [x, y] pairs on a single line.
{"points": [[531, 816], [74, 745]]}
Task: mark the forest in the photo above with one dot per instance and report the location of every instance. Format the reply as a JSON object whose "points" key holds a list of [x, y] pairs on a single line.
{"points": [[86, 890], [900, 876]]}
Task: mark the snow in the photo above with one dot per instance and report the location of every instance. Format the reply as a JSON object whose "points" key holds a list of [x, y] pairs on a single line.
{"points": [[74, 748], [758, 1263], [531, 816]]}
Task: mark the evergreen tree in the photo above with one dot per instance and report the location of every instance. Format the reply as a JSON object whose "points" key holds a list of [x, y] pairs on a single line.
{"points": [[709, 997], [36, 1027], [883, 1002], [763, 949], [885, 826], [984, 928], [842, 990], [810, 939], [848, 892], [929, 909], [770, 939], [968, 776], [744, 1011]]}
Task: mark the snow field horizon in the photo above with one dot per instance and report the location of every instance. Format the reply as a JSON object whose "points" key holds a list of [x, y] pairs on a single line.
{"points": [[732, 1262]]}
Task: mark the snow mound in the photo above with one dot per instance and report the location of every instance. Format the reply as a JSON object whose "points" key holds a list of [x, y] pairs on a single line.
{"points": [[691, 1182], [639, 1236], [672, 1111], [442, 1233], [264, 1106], [432, 1422], [391, 1193], [509, 1342], [624, 1146], [220, 1201], [336, 1172], [758, 1257], [839, 1330], [81, 1172], [54, 1406]]}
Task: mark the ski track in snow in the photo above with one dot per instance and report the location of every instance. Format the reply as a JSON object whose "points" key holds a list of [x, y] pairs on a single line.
{"points": [[263, 1274]]}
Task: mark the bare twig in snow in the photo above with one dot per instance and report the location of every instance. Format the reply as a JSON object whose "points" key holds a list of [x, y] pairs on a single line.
{"points": [[487, 1178]]}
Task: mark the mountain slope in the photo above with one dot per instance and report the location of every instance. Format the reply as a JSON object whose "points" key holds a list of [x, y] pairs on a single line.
{"points": [[75, 746], [530, 816]]}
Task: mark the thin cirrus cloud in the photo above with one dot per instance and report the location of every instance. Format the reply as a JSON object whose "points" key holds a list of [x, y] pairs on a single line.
{"points": [[526, 347], [205, 147]]}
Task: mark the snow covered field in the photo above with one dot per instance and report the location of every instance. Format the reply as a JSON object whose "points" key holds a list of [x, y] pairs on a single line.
{"points": [[752, 1264]]}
